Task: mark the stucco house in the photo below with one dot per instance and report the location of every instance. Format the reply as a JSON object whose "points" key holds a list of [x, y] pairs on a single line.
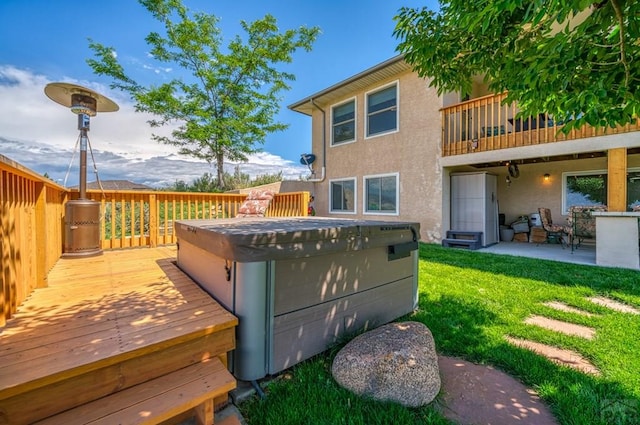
{"points": [[387, 145]]}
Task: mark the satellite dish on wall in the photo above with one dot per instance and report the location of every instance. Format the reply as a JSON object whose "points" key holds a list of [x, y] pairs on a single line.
{"points": [[307, 159]]}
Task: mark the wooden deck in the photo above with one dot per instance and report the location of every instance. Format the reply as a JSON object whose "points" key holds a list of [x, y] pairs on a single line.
{"points": [[104, 324]]}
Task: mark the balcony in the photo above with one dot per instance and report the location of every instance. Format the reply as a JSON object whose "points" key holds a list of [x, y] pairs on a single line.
{"points": [[485, 124]]}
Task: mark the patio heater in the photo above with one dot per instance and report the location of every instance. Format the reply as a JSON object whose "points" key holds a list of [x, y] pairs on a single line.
{"points": [[82, 215]]}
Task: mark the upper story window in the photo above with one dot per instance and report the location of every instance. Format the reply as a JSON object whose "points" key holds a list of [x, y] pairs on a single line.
{"points": [[382, 110], [343, 196], [343, 122], [381, 194]]}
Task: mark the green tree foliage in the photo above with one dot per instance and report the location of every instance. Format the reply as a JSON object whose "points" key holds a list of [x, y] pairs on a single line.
{"points": [[228, 106], [262, 179], [238, 180], [576, 59]]}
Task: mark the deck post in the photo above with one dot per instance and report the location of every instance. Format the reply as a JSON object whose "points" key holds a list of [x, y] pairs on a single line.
{"points": [[617, 180]]}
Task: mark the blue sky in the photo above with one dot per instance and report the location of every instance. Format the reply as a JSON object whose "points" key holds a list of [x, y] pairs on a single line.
{"points": [[43, 41]]}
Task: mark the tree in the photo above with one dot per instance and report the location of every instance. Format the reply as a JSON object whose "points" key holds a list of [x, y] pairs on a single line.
{"points": [[576, 59], [230, 101]]}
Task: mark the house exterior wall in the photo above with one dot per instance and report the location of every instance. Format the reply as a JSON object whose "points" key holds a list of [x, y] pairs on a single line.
{"points": [[412, 152]]}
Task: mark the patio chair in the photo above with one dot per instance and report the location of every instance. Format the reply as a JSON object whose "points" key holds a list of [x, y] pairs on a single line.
{"points": [[555, 232]]}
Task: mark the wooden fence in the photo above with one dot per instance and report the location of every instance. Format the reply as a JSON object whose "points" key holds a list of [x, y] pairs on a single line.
{"points": [[32, 210]]}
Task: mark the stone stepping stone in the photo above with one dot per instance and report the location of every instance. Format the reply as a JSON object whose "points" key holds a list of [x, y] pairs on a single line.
{"points": [[480, 394], [557, 305], [560, 326], [557, 355], [614, 305]]}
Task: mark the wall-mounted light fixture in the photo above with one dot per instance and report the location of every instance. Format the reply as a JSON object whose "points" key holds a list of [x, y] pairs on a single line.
{"points": [[547, 176]]}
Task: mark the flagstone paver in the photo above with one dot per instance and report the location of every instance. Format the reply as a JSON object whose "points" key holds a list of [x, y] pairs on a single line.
{"points": [[557, 305], [557, 355], [614, 305], [560, 326], [480, 394]]}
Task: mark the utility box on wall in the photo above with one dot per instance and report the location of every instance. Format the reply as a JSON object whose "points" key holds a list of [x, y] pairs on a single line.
{"points": [[474, 204]]}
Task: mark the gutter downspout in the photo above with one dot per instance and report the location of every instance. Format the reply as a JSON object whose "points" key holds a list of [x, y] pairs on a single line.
{"points": [[324, 143]]}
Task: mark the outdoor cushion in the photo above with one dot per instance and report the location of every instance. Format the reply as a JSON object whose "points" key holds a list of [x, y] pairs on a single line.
{"points": [[256, 203]]}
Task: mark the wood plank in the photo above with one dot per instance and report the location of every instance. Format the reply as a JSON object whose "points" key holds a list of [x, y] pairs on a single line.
{"points": [[155, 400], [103, 337], [53, 396]]}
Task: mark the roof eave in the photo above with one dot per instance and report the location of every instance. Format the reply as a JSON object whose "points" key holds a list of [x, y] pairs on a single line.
{"points": [[367, 77]]}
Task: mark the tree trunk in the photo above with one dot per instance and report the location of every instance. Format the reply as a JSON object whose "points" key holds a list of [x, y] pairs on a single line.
{"points": [[220, 170]]}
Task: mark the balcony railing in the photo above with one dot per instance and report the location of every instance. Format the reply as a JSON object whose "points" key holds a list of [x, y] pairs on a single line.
{"points": [[32, 210], [485, 124]]}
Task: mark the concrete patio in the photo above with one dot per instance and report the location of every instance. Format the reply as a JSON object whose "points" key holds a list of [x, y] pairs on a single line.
{"points": [[585, 254]]}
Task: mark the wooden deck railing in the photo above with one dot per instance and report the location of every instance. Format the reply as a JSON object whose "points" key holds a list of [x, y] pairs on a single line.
{"points": [[485, 124], [32, 210], [145, 218]]}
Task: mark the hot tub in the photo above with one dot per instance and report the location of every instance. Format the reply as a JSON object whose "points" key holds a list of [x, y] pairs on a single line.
{"points": [[298, 284]]}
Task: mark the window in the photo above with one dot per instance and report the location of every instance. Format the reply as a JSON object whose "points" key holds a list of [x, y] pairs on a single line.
{"points": [[590, 188], [343, 123], [584, 188], [382, 111], [381, 194], [343, 196]]}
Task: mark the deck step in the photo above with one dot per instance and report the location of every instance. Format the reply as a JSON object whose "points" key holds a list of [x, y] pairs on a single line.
{"points": [[157, 400], [463, 239]]}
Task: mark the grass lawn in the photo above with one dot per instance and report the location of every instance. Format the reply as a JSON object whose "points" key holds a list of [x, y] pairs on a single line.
{"points": [[470, 301]]}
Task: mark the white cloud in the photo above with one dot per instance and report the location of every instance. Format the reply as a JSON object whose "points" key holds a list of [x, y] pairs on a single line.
{"points": [[41, 135]]}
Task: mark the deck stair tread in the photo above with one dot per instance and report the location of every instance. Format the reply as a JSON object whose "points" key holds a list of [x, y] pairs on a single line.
{"points": [[153, 401], [463, 238]]}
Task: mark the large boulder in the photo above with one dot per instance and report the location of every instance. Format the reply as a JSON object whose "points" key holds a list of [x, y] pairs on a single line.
{"points": [[395, 362]]}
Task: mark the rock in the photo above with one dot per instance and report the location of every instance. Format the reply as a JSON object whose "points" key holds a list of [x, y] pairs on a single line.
{"points": [[395, 362]]}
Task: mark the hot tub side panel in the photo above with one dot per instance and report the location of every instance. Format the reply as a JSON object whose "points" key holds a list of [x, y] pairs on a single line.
{"points": [[245, 290], [320, 299]]}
